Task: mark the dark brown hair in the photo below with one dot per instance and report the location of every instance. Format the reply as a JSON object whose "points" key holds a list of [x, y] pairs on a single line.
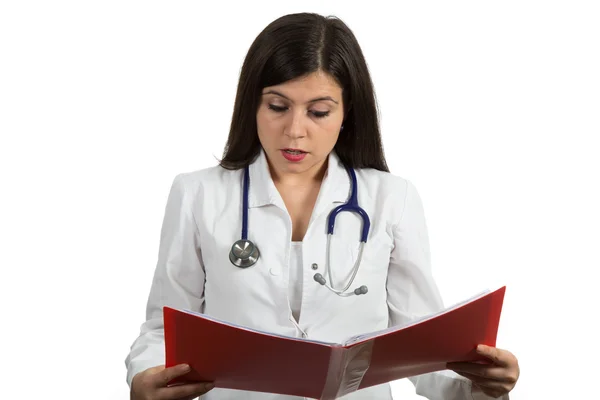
{"points": [[293, 46]]}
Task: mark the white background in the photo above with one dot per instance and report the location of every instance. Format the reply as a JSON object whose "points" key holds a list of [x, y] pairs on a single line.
{"points": [[490, 108]]}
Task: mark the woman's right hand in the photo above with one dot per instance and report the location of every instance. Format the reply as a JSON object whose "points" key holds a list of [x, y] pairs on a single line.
{"points": [[151, 384]]}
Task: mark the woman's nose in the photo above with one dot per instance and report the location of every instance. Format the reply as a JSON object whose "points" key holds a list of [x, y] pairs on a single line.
{"points": [[296, 129]]}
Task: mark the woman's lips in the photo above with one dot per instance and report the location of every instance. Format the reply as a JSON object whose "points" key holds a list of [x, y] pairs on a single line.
{"points": [[293, 155]]}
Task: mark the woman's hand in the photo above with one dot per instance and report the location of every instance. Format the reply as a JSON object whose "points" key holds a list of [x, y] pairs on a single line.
{"points": [[151, 384], [495, 379]]}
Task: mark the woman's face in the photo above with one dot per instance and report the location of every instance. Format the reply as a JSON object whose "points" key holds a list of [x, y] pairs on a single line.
{"points": [[299, 123]]}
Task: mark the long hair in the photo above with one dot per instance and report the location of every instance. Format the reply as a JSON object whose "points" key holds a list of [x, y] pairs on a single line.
{"points": [[293, 46]]}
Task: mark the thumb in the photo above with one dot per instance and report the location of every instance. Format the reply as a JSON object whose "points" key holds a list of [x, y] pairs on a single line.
{"points": [[491, 353], [168, 374]]}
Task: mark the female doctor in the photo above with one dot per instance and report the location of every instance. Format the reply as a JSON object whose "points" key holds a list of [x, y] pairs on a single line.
{"points": [[261, 240]]}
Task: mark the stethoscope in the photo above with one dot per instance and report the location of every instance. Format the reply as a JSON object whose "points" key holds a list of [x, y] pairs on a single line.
{"points": [[244, 252]]}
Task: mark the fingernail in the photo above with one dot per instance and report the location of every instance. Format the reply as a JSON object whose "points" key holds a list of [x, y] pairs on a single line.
{"points": [[209, 386], [185, 368], [480, 348]]}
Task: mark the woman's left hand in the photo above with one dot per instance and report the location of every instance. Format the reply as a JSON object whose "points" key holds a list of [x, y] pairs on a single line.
{"points": [[495, 379]]}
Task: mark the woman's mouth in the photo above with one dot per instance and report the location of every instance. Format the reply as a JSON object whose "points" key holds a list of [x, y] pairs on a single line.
{"points": [[293, 151], [294, 155]]}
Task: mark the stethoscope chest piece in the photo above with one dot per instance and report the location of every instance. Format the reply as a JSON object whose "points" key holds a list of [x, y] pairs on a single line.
{"points": [[244, 254]]}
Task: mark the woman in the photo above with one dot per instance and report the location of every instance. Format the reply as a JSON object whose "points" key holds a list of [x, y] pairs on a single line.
{"points": [[304, 112]]}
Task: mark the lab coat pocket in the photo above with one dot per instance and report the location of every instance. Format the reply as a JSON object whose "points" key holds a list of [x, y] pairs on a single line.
{"points": [[371, 268], [374, 261]]}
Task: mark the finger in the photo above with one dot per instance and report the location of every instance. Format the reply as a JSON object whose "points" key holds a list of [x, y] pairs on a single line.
{"points": [[498, 356], [191, 390], [479, 380], [168, 374], [157, 369], [490, 387], [483, 371], [494, 392]]}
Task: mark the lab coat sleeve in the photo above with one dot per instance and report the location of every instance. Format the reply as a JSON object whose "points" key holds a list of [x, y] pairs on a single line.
{"points": [[413, 293], [178, 278]]}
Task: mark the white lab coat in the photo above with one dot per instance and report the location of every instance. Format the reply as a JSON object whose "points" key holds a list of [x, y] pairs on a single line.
{"points": [[203, 219]]}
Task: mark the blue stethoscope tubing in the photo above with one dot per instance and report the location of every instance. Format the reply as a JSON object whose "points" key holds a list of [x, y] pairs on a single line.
{"points": [[244, 253]]}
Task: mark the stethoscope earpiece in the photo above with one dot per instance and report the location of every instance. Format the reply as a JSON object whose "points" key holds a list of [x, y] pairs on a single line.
{"points": [[361, 290], [319, 278], [358, 291]]}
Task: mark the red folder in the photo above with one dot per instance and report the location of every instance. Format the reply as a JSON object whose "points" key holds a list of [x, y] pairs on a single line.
{"points": [[235, 357]]}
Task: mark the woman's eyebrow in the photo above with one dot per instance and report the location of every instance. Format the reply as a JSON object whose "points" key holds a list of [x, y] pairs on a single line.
{"points": [[324, 98]]}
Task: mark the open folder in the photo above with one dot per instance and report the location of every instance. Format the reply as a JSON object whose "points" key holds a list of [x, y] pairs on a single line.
{"points": [[236, 357]]}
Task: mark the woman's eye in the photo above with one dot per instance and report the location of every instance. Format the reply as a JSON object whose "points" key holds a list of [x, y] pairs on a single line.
{"points": [[320, 114], [280, 109], [277, 108]]}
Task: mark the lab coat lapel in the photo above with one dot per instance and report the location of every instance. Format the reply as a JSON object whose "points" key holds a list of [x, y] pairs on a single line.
{"points": [[262, 190], [335, 187]]}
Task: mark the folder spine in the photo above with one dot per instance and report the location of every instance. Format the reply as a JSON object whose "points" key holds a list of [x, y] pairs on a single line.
{"points": [[347, 367], [170, 336], [335, 372]]}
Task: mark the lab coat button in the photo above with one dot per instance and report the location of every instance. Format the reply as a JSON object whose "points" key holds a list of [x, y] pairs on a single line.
{"points": [[274, 271], [315, 266]]}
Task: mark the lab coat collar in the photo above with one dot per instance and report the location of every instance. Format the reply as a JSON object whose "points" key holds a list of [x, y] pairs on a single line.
{"points": [[335, 187]]}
